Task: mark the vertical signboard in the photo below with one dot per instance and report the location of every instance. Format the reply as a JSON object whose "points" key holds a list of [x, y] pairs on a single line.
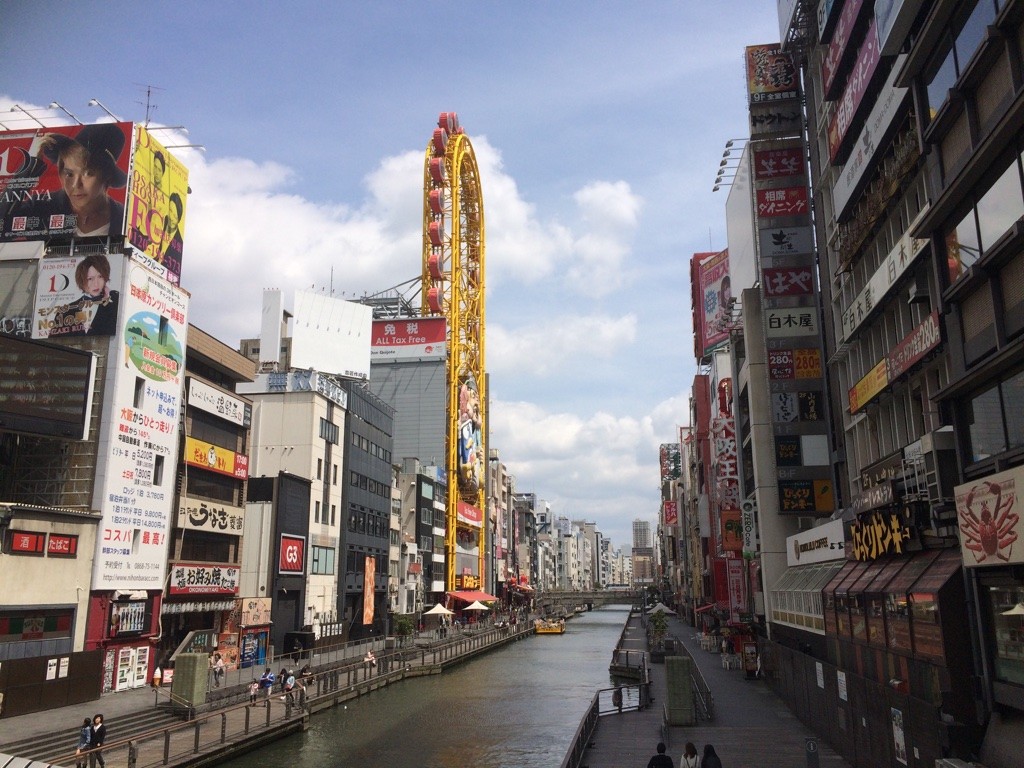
{"points": [[136, 485], [156, 205], [715, 297], [789, 301]]}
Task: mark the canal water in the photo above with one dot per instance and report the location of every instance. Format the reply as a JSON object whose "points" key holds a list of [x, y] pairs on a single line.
{"points": [[515, 707]]}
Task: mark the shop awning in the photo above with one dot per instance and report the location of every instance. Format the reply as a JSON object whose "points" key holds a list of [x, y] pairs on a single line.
{"points": [[470, 597], [704, 608], [916, 565], [939, 571]]}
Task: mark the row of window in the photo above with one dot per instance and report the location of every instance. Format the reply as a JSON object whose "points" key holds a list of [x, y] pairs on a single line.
{"points": [[371, 448], [320, 471], [377, 488], [329, 431], [995, 418], [965, 35], [356, 562], [323, 518], [994, 211], [366, 521]]}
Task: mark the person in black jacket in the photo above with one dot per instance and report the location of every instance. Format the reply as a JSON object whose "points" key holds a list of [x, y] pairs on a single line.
{"points": [[99, 735], [710, 759]]}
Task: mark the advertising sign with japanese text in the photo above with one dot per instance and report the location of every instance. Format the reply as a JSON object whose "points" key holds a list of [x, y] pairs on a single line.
{"points": [[216, 459], [771, 74], [853, 94], [64, 183], [212, 579], [135, 486], [212, 516], [784, 323], [206, 398], [77, 296], [156, 203], [785, 201], [670, 513], [780, 242], [778, 162], [737, 588], [671, 462], [409, 339], [716, 298]]}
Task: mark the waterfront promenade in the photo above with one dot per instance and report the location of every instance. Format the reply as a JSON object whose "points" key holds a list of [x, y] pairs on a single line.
{"points": [[228, 726], [751, 728]]}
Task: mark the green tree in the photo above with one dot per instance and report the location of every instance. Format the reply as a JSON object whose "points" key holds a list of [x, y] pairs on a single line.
{"points": [[657, 624]]}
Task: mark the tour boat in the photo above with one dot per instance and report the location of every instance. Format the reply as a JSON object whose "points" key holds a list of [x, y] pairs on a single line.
{"points": [[549, 626]]}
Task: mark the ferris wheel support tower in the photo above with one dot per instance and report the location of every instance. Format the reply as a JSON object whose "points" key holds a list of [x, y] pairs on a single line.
{"points": [[453, 286]]}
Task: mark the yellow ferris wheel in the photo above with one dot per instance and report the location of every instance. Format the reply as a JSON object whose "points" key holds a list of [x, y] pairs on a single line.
{"points": [[453, 286]]}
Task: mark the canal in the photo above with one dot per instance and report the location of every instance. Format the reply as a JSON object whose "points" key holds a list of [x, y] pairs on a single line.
{"points": [[516, 707]]}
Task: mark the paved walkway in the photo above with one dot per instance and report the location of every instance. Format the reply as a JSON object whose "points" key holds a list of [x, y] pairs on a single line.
{"points": [[752, 728]]}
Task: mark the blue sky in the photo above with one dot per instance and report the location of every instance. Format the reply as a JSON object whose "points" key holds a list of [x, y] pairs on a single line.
{"points": [[598, 128]]}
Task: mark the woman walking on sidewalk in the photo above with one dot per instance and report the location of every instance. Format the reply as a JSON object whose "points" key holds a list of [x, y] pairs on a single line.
{"points": [[84, 738]]}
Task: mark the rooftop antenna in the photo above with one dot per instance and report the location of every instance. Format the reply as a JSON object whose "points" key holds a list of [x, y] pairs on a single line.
{"points": [[149, 105]]}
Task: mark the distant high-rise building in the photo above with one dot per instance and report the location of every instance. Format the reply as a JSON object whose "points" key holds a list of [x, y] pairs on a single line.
{"points": [[641, 534]]}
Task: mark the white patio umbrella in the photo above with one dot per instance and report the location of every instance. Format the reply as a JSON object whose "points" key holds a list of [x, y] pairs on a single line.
{"points": [[476, 605], [663, 609], [438, 610]]}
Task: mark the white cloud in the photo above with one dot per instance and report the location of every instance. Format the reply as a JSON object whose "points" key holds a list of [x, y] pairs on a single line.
{"points": [[556, 342]]}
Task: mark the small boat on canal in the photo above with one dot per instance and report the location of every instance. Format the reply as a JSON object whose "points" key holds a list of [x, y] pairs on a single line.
{"points": [[549, 626]]}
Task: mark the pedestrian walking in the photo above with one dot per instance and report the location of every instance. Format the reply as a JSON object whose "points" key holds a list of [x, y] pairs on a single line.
{"points": [[254, 689], [267, 682], [218, 670], [690, 758], [96, 739], [710, 759], [288, 686], [660, 760], [84, 739]]}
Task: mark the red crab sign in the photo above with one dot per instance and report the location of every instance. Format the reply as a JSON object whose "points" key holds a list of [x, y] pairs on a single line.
{"points": [[989, 515]]}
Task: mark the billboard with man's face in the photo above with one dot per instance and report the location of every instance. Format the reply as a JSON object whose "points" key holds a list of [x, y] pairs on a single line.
{"points": [[64, 182], [156, 204]]}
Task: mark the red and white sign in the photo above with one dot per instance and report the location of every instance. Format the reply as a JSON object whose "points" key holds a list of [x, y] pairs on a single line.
{"points": [[27, 542], [914, 347], [860, 78], [792, 281], [671, 516], [59, 545], [778, 163], [469, 515], [292, 558], [408, 339], [789, 201], [737, 588], [837, 47]]}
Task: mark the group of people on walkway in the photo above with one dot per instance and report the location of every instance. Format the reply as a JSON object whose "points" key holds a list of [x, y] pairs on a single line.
{"points": [[289, 682], [91, 737], [689, 758]]}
